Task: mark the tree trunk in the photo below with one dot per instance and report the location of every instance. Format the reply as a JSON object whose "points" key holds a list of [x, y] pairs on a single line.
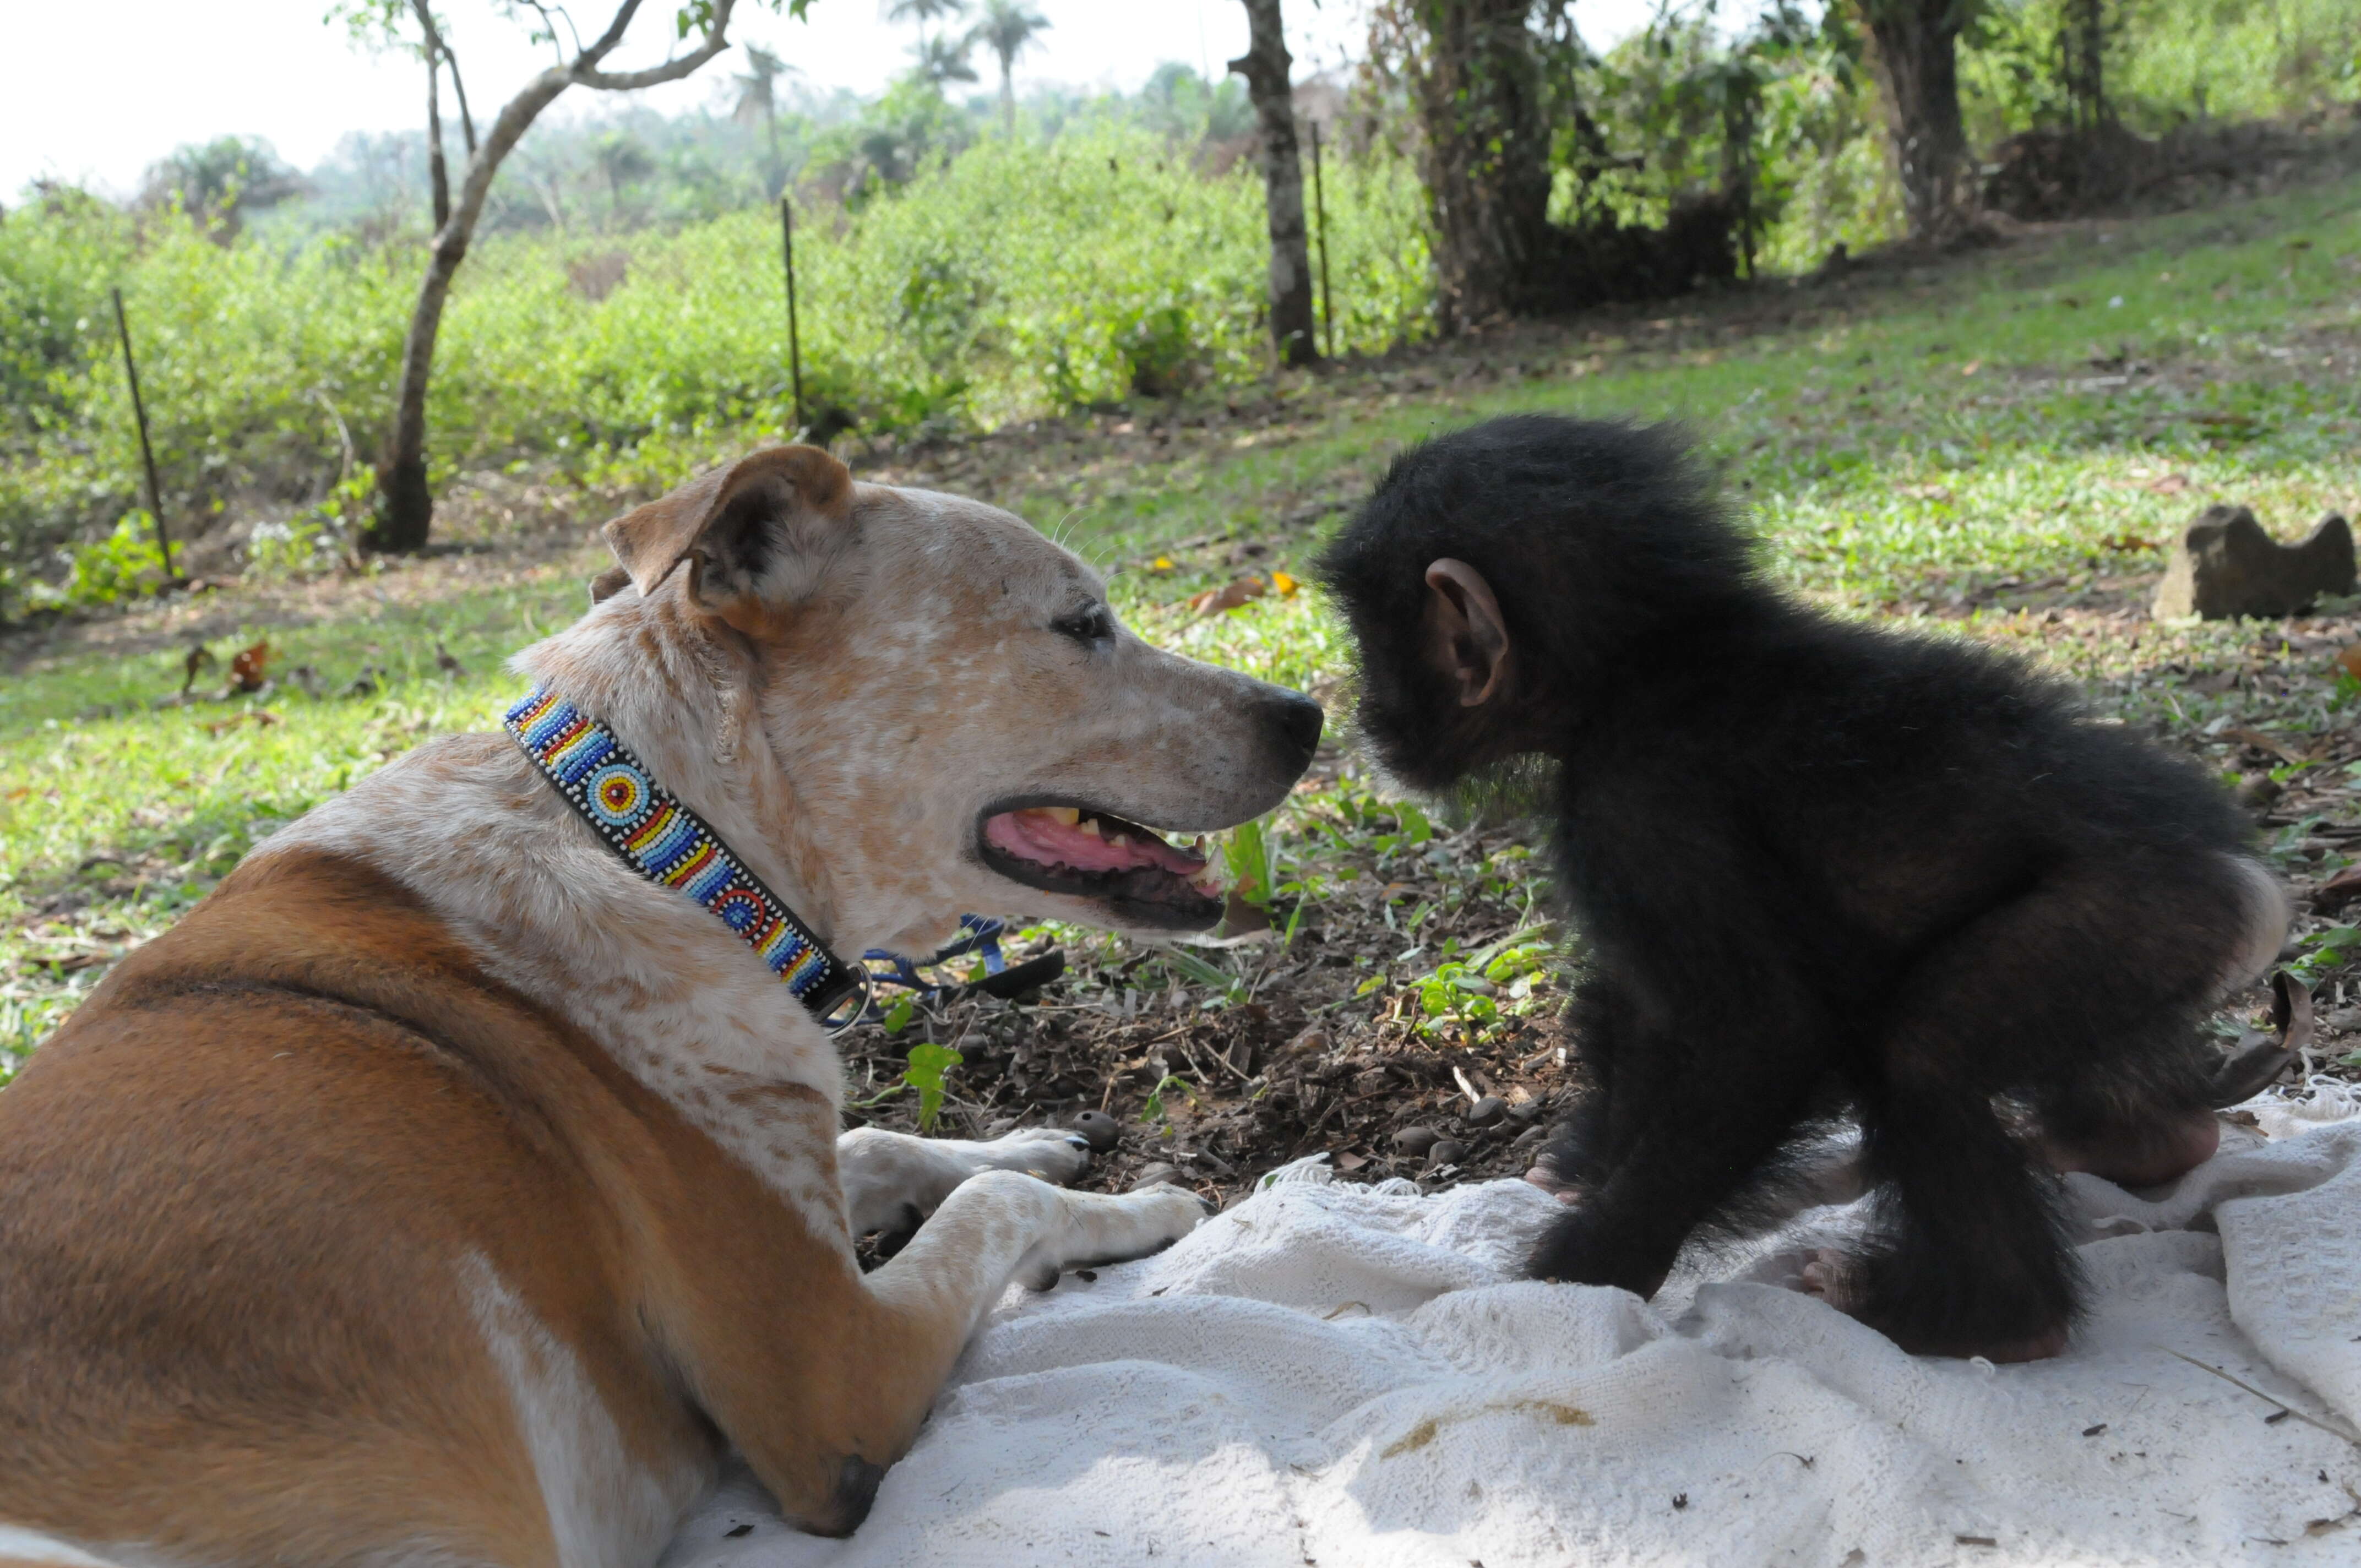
{"points": [[1912, 50], [438, 178], [1481, 102], [406, 509], [1266, 66]]}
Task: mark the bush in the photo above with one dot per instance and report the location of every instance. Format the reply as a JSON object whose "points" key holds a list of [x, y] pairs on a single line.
{"points": [[1012, 282]]}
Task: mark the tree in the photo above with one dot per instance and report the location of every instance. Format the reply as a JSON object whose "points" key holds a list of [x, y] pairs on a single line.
{"points": [[1008, 30], [758, 98], [1477, 80], [1266, 66], [221, 181], [1912, 51], [940, 60], [623, 159], [405, 505], [924, 11]]}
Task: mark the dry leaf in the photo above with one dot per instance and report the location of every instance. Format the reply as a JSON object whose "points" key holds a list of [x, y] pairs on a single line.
{"points": [[247, 670], [2262, 742], [263, 720], [2349, 658], [1349, 1162], [1212, 601], [2337, 891], [1926, 492], [1284, 583], [1971, 367], [2171, 485]]}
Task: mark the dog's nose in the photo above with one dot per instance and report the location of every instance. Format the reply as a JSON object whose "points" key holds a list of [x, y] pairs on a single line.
{"points": [[1298, 720]]}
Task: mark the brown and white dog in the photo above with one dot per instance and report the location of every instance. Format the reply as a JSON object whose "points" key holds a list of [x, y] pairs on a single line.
{"points": [[441, 1192]]}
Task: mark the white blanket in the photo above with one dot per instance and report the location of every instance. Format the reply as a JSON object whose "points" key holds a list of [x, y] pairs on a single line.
{"points": [[1352, 1378]]}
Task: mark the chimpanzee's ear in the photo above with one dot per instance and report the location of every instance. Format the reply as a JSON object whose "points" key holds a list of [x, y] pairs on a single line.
{"points": [[1468, 639], [773, 510]]}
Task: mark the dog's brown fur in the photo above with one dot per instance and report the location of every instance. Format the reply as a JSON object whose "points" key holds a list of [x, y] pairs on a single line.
{"points": [[467, 1211]]}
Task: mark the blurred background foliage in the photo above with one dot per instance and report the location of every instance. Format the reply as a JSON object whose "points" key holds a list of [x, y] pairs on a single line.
{"points": [[624, 300]]}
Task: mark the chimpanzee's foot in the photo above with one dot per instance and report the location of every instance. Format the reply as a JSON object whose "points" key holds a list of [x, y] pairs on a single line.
{"points": [[1826, 1276], [2146, 1156], [1545, 1175]]}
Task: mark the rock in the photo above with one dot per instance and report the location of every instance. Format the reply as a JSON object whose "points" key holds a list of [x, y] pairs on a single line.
{"points": [[1448, 1151], [1415, 1140], [1100, 1129], [1155, 1173], [2226, 565], [1310, 1040], [1485, 1112]]}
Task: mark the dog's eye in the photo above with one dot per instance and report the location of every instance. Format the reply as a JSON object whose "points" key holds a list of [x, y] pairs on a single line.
{"points": [[1091, 623]]}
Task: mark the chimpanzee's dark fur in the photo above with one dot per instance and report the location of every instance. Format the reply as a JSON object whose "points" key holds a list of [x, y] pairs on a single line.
{"points": [[1811, 860]]}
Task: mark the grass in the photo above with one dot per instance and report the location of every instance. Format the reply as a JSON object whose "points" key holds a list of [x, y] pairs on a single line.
{"points": [[2002, 445]]}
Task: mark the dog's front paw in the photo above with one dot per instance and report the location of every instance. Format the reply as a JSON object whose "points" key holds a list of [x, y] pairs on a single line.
{"points": [[1103, 1227], [1053, 1154]]}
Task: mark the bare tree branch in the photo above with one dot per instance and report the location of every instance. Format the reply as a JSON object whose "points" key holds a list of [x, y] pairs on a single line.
{"points": [[406, 504], [612, 36], [439, 48], [717, 39]]}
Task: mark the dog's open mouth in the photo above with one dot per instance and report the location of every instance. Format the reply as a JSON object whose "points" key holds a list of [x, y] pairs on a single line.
{"points": [[1094, 854]]}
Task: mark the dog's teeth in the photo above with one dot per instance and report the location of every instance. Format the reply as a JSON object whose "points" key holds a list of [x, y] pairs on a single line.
{"points": [[1199, 847], [1090, 824], [1118, 840], [1065, 814]]}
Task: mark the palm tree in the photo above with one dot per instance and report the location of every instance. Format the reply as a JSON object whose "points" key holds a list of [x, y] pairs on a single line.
{"points": [[924, 11], [941, 59], [1008, 30], [758, 98]]}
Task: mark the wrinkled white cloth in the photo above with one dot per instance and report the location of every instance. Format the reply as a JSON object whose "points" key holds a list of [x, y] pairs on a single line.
{"points": [[1353, 1377]]}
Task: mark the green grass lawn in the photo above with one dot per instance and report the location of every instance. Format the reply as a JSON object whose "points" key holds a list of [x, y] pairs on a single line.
{"points": [[2004, 442]]}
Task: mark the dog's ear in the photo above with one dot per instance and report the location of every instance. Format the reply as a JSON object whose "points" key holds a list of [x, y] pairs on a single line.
{"points": [[608, 584], [737, 523]]}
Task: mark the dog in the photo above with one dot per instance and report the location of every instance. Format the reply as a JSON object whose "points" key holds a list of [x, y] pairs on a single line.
{"points": [[448, 1189]]}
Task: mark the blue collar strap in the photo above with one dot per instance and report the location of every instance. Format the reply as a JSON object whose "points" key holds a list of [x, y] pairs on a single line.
{"points": [[671, 846]]}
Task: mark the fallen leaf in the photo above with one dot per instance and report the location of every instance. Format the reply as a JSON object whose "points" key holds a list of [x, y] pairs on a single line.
{"points": [[1926, 492], [2171, 485], [1163, 563], [1971, 367], [263, 720], [1212, 601], [2126, 542], [2262, 742], [2337, 891], [1350, 1162], [1284, 583], [2349, 658], [247, 670]]}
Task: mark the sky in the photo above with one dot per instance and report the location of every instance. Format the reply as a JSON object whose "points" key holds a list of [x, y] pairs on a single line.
{"points": [[188, 70]]}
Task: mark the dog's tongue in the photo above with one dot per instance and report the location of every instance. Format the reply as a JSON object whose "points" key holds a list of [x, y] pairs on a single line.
{"points": [[1061, 836]]}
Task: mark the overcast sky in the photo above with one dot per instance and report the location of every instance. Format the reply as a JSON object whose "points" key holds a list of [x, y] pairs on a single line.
{"points": [[167, 71]]}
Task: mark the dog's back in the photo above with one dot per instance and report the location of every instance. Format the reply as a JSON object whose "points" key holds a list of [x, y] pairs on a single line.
{"points": [[245, 1187]]}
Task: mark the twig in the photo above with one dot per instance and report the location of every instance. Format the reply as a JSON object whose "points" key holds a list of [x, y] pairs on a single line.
{"points": [[2332, 1431]]}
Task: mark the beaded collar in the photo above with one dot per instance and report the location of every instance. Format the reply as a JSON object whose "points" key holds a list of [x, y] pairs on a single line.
{"points": [[671, 846]]}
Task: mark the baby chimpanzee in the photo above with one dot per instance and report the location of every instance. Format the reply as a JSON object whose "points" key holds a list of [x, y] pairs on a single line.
{"points": [[1814, 862]]}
